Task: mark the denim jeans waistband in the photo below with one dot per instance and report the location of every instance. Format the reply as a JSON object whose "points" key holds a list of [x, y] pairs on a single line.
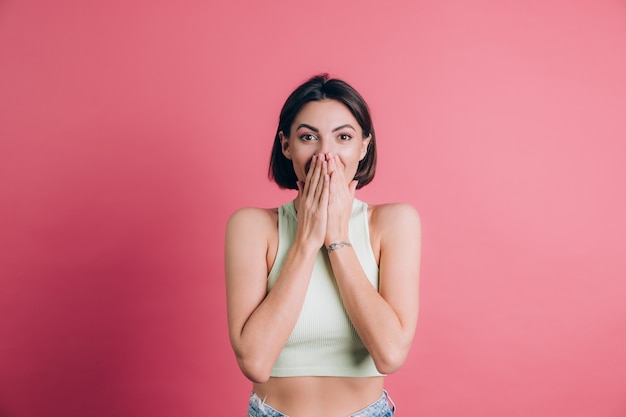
{"points": [[383, 407]]}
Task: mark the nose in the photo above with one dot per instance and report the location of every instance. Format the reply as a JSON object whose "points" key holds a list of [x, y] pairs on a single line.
{"points": [[326, 146]]}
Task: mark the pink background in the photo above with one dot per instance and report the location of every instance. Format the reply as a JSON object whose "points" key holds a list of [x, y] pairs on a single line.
{"points": [[130, 130]]}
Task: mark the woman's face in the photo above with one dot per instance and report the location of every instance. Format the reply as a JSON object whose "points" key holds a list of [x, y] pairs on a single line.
{"points": [[323, 127]]}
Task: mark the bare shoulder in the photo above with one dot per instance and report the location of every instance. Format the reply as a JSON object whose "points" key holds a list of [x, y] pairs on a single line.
{"points": [[251, 239], [253, 217], [252, 229], [394, 218]]}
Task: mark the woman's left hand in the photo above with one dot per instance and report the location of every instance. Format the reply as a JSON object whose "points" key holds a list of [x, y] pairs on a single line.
{"points": [[339, 203]]}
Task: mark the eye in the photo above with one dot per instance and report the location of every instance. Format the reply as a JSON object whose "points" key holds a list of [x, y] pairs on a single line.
{"points": [[345, 136], [307, 137]]}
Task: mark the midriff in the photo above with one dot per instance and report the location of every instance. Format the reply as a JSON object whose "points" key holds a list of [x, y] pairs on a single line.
{"points": [[314, 396]]}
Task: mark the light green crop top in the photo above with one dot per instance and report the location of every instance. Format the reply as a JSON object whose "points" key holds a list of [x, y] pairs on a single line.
{"points": [[324, 342]]}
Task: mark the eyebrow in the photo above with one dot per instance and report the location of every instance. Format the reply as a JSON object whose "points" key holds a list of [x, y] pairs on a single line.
{"points": [[308, 127], [347, 125], [344, 126]]}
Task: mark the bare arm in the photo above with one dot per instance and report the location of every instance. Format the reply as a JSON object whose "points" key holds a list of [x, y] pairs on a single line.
{"points": [[259, 322], [384, 320]]}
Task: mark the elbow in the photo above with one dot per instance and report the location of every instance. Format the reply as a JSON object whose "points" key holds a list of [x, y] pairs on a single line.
{"points": [[254, 369], [391, 360], [253, 362], [387, 367]]}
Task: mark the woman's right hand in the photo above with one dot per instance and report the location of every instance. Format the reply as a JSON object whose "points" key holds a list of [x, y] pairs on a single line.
{"points": [[312, 204], [259, 321]]}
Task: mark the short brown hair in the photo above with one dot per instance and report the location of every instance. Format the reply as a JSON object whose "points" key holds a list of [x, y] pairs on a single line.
{"points": [[321, 87]]}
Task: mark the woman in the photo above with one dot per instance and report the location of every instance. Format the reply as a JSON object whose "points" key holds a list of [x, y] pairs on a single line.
{"points": [[322, 292]]}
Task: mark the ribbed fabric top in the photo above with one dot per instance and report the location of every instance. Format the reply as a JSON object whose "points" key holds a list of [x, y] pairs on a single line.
{"points": [[324, 342]]}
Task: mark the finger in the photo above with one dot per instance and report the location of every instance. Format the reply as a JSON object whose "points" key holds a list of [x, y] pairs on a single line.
{"points": [[337, 169], [321, 182], [334, 186], [309, 175], [313, 193], [317, 171], [339, 166], [325, 197], [331, 162]]}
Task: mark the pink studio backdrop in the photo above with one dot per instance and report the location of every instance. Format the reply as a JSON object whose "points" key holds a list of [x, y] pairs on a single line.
{"points": [[130, 130]]}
